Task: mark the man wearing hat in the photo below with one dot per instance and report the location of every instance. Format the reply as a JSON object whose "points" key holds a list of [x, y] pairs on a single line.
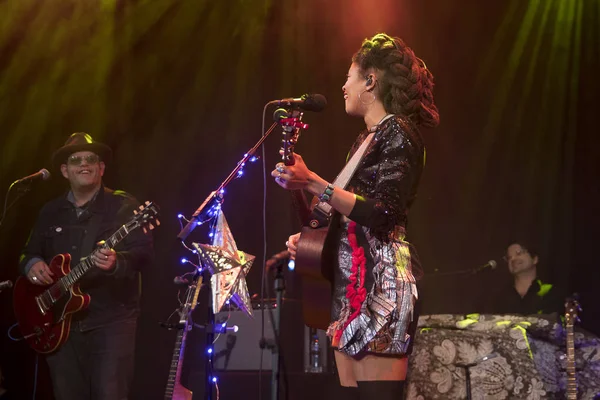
{"points": [[96, 362]]}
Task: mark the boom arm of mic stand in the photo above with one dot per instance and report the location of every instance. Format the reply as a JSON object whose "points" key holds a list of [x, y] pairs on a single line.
{"points": [[21, 191], [217, 194], [452, 273], [193, 222]]}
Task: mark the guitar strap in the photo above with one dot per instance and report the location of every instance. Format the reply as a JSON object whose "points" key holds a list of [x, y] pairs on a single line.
{"points": [[322, 212]]}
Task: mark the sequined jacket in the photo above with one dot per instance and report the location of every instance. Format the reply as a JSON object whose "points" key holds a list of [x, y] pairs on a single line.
{"points": [[387, 178]]}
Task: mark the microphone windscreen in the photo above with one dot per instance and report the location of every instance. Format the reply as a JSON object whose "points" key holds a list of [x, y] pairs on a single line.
{"points": [[45, 174], [315, 102]]}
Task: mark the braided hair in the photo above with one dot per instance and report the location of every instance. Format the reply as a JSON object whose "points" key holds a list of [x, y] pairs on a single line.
{"points": [[406, 85]]}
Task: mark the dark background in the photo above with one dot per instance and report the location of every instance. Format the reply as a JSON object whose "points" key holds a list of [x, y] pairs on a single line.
{"points": [[177, 88]]}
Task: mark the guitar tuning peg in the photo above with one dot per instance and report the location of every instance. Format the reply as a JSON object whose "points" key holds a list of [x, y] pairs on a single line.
{"points": [[157, 222], [147, 203]]}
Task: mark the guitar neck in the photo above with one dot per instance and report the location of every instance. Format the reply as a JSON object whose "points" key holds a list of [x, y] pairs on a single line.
{"points": [[175, 390], [571, 367], [173, 382], [87, 263]]}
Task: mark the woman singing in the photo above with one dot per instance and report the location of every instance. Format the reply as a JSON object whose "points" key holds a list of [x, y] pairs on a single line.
{"points": [[373, 311]]}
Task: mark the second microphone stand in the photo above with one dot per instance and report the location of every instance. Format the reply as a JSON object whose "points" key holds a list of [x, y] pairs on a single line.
{"points": [[279, 285], [274, 344]]}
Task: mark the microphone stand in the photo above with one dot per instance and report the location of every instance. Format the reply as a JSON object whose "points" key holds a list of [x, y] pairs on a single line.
{"points": [[452, 273], [208, 210], [468, 371], [273, 344], [209, 340], [217, 194], [471, 271], [279, 284], [21, 191]]}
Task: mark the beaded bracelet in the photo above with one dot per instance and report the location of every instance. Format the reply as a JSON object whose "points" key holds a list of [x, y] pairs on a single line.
{"points": [[326, 196]]}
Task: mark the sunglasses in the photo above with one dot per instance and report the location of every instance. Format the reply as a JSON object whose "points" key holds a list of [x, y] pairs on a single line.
{"points": [[77, 160]]}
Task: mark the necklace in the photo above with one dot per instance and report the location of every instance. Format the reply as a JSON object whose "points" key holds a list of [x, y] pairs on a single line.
{"points": [[385, 118]]}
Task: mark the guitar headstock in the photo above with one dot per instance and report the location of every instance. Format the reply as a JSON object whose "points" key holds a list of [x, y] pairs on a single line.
{"points": [[572, 309], [145, 217], [291, 123]]}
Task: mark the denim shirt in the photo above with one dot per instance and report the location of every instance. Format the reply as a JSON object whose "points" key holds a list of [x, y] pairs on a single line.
{"points": [[61, 228]]}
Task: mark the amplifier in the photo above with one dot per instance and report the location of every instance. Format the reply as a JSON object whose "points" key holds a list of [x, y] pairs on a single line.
{"points": [[241, 350]]}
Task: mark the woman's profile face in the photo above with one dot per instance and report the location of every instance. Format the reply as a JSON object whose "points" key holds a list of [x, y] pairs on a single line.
{"points": [[354, 86]]}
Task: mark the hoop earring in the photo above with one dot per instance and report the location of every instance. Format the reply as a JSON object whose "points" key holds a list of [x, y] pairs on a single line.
{"points": [[362, 101]]}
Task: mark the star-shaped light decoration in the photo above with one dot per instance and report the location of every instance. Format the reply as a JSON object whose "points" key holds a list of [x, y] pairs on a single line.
{"points": [[228, 266]]}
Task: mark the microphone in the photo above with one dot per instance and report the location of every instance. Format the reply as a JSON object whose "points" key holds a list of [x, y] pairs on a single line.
{"points": [[6, 285], [306, 102], [273, 261], [42, 174], [492, 264]]}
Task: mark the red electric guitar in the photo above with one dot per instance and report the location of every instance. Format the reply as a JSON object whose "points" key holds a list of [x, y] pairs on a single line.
{"points": [[44, 312]]}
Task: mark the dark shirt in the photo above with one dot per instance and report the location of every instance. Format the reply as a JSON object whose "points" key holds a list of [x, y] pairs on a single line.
{"points": [[541, 298], [60, 229]]}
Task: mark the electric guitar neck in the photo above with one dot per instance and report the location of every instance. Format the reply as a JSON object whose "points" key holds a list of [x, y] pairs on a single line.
{"points": [[175, 390], [571, 310]]}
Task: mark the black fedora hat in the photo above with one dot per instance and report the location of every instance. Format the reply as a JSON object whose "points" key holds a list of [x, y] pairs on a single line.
{"points": [[80, 141]]}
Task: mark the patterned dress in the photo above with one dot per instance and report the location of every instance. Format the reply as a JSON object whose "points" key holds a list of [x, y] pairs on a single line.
{"points": [[375, 288]]}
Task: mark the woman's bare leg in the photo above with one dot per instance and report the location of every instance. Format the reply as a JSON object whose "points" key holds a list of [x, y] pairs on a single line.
{"points": [[380, 368], [345, 369]]}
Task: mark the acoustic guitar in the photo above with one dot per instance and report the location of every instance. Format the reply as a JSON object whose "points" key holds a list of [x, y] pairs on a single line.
{"points": [[44, 313], [316, 255]]}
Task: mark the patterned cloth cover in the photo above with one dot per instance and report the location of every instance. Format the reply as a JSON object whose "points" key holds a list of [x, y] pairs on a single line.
{"points": [[528, 358]]}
